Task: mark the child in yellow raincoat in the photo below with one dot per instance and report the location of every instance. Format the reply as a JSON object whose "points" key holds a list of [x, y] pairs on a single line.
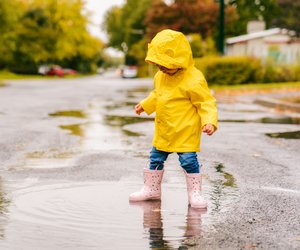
{"points": [[184, 108]]}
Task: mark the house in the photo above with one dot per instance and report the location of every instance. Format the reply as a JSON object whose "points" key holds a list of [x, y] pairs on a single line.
{"points": [[279, 45]]}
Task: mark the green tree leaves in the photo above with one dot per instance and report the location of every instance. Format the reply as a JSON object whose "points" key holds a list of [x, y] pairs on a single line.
{"points": [[47, 32]]}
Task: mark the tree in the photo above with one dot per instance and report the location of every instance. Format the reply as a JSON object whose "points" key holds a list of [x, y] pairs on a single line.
{"points": [[125, 25], [201, 47], [10, 12], [187, 16], [288, 16], [114, 28], [50, 31], [248, 10]]}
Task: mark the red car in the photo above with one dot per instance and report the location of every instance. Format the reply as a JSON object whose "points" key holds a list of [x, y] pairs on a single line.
{"points": [[55, 71]]}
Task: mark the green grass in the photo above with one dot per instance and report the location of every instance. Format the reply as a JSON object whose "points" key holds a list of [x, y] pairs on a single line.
{"points": [[6, 75], [257, 87]]}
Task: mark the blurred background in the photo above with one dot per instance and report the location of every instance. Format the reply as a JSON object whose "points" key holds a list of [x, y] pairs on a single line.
{"points": [[236, 41]]}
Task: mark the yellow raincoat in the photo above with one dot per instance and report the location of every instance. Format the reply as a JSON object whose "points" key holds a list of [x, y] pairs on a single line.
{"points": [[182, 102]]}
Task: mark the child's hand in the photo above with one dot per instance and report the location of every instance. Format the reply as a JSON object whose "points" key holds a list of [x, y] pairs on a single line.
{"points": [[138, 109], [208, 129]]}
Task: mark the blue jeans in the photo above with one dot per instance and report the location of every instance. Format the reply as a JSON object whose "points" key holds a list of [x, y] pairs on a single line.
{"points": [[188, 161]]}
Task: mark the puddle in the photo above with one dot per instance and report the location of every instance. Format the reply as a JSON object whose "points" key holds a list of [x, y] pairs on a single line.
{"points": [[70, 113], [92, 215], [294, 99], [224, 190], [241, 110], [269, 120], [130, 133], [48, 159], [114, 120], [94, 134], [138, 92], [281, 120], [53, 154], [229, 179], [285, 135], [75, 129], [120, 105]]}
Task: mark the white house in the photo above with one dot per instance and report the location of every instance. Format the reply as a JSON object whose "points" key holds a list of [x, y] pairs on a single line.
{"points": [[277, 44]]}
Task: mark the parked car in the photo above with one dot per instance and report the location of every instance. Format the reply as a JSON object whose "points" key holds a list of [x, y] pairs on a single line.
{"points": [[129, 71], [70, 71], [55, 70], [43, 69]]}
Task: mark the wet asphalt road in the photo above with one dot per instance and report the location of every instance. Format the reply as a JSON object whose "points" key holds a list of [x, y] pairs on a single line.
{"points": [[72, 150]]}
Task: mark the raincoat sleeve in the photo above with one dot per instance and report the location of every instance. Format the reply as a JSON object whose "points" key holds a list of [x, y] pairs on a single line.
{"points": [[149, 103], [205, 103]]}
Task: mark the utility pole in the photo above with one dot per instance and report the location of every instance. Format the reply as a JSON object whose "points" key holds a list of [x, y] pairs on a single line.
{"points": [[221, 28]]}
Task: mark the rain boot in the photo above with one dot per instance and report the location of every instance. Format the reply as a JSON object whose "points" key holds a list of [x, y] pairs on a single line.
{"points": [[152, 186], [194, 183]]}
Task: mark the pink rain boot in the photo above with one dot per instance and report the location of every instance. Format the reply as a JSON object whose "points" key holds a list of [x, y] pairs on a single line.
{"points": [[194, 182], [152, 186]]}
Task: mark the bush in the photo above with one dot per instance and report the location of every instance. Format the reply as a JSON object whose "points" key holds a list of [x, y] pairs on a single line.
{"points": [[29, 69], [201, 47], [230, 70], [281, 73]]}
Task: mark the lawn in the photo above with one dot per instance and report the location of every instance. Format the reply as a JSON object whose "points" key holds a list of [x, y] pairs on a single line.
{"points": [[6, 75], [256, 88]]}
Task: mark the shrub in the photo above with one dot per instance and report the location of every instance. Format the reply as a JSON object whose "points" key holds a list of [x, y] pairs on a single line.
{"points": [[230, 70], [281, 73], [30, 69], [201, 47]]}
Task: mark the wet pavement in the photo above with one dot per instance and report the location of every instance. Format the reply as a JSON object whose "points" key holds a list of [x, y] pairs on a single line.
{"points": [[73, 150]]}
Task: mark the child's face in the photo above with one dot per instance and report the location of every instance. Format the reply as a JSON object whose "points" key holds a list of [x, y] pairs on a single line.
{"points": [[167, 71]]}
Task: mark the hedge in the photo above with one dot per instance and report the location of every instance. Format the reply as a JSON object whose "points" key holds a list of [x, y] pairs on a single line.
{"points": [[230, 70], [243, 70]]}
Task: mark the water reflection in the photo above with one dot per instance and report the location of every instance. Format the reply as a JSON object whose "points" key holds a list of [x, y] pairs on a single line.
{"points": [[154, 228], [267, 120], [94, 133], [114, 120], [285, 135], [138, 92], [115, 105], [70, 113], [74, 129]]}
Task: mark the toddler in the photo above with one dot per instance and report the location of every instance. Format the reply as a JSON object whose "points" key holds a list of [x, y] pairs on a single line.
{"points": [[184, 108]]}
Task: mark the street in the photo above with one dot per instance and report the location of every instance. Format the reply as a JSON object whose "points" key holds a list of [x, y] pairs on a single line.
{"points": [[72, 150]]}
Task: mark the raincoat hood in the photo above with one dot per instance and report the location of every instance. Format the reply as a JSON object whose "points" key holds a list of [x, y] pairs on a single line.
{"points": [[170, 49]]}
